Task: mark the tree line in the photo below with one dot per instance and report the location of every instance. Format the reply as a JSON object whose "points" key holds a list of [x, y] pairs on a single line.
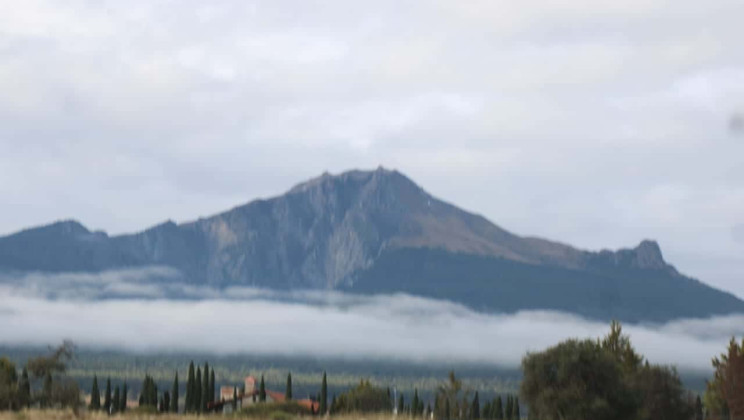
{"points": [[42, 382], [602, 379]]}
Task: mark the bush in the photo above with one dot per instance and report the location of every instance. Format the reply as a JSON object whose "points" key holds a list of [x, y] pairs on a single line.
{"points": [[364, 398]]}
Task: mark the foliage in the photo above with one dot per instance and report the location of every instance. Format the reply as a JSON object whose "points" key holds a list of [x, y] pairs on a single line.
{"points": [[363, 398], [288, 392], [95, 395], [725, 393], [323, 395], [149, 393], [452, 399], [662, 396], [8, 384], [576, 380], [190, 389], [606, 379], [197, 391], [54, 363], [205, 389], [174, 394]]}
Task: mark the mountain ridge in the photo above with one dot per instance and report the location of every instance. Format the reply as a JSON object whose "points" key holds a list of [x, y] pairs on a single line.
{"points": [[337, 231]]}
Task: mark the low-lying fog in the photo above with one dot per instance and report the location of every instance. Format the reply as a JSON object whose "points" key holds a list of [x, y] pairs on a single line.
{"points": [[136, 315]]}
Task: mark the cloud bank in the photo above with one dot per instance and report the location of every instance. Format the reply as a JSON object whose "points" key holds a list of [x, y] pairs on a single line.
{"points": [[400, 327]]}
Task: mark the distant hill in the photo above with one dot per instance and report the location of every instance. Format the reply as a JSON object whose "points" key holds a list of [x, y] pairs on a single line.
{"points": [[378, 232]]}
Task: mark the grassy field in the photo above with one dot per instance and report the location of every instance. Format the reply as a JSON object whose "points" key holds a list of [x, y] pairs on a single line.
{"points": [[69, 415]]}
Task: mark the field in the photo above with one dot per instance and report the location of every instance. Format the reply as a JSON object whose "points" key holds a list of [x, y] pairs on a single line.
{"points": [[69, 415]]}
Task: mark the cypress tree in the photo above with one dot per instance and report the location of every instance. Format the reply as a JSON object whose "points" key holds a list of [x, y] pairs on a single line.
{"points": [[262, 391], [123, 401], [499, 409], [107, 396], [211, 385], [205, 389], [515, 409], [475, 409], [288, 392], [235, 399], [95, 395], [174, 393], [197, 391], [24, 390], [509, 408], [190, 389], [401, 404], [698, 409], [115, 400], [324, 395], [166, 401], [446, 409]]}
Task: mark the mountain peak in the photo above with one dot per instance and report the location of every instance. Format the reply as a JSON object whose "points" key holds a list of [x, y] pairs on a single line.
{"points": [[355, 176], [648, 254]]}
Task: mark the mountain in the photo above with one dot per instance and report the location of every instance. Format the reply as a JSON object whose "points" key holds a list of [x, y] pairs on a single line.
{"points": [[378, 232]]}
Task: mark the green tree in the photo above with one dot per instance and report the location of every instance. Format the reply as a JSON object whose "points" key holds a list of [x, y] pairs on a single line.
{"points": [[211, 385], [95, 395], [8, 384], [190, 389], [46, 391], [174, 394], [363, 398], [124, 398], [725, 393], [198, 391], [401, 404], [262, 391], [166, 401], [54, 363], [475, 408], [24, 390], [457, 398], [698, 408], [662, 395], [515, 409], [415, 403], [288, 392], [324, 395], [509, 407], [205, 389], [619, 346], [107, 397], [576, 380], [115, 401], [235, 399], [498, 409]]}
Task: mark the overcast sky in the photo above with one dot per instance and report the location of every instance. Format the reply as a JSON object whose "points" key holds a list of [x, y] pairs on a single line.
{"points": [[597, 123]]}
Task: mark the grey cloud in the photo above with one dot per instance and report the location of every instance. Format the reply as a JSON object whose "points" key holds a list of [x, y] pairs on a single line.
{"points": [[737, 232]]}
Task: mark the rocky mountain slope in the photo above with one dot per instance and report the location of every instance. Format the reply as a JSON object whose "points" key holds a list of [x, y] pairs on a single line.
{"points": [[379, 232]]}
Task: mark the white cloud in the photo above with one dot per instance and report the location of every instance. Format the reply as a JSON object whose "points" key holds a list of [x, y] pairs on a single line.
{"points": [[243, 320]]}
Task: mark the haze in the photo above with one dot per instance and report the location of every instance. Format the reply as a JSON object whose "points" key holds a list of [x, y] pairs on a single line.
{"points": [[141, 316]]}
